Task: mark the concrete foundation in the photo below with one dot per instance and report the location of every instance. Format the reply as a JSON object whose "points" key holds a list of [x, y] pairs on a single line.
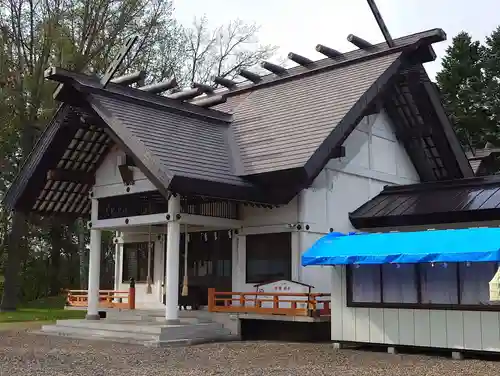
{"points": [[392, 350]]}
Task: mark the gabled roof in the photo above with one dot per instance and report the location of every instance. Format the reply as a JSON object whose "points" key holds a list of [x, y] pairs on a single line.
{"points": [[461, 200], [265, 144], [281, 127], [483, 161]]}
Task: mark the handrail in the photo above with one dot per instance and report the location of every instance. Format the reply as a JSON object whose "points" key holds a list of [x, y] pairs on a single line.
{"points": [[304, 304], [107, 298]]}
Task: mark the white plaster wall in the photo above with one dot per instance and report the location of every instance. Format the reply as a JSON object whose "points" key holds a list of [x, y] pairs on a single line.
{"points": [[259, 218], [108, 181], [414, 327], [374, 158]]}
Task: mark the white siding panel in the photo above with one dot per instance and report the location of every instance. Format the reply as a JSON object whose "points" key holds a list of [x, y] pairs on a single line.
{"points": [[377, 325], [490, 331], [422, 327], [391, 326], [337, 304], [454, 329], [406, 327], [472, 330], [362, 324], [438, 329]]}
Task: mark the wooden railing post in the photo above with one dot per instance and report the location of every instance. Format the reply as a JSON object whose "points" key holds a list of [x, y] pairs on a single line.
{"points": [[276, 301], [68, 298], [131, 294], [211, 299]]}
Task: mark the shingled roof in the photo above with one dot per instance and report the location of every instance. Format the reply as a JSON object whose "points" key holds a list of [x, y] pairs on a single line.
{"points": [[454, 201], [268, 141]]}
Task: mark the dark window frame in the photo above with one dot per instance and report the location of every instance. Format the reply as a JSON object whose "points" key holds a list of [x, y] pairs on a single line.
{"points": [[134, 246], [275, 248], [419, 305]]}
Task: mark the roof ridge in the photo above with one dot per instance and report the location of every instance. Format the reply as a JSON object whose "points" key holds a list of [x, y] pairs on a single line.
{"points": [[429, 36], [88, 83]]}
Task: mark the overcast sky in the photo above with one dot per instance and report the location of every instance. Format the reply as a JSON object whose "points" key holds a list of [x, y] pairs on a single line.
{"points": [[298, 25]]}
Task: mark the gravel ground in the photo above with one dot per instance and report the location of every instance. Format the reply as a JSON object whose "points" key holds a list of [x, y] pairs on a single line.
{"points": [[22, 353]]}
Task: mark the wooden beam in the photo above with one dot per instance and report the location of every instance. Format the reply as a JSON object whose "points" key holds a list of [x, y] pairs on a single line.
{"points": [[71, 176]]}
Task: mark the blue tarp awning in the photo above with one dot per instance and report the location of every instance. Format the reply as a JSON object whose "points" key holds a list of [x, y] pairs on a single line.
{"points": [[473, 245]]}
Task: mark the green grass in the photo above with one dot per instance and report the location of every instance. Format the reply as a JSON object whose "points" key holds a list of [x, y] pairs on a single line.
{"points": [[47, 309]]}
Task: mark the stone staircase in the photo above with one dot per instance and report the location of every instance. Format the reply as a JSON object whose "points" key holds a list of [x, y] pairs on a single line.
{"points": [[145, 328]]}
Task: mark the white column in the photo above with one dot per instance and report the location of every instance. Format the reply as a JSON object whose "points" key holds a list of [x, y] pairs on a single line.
{"points": [[172, 272], [118, 263], [94, 273]]}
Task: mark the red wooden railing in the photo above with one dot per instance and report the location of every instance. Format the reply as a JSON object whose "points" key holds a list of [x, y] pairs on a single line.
{"points": [[286, 303], [107, 298]]}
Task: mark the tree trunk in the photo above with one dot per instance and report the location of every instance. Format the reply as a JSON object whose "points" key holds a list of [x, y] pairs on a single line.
{"points": [[83, 254], [16, 254], [55, 257]]}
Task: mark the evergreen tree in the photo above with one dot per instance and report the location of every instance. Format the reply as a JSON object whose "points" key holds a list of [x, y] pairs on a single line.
{"points": [[491, 64], [462, 82]]}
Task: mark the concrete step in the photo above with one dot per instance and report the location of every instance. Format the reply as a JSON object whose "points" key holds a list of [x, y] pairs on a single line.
{"points": [[107, 325], [83, 333], [139, 327], [152, 334]]}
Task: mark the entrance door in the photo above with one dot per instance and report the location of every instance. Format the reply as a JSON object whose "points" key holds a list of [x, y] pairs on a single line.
{"points": [[209, 263]]}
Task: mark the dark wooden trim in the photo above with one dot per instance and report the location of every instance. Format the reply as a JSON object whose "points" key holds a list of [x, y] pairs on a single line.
{"points": [[446, 307], [447, 127], [30, 180], [71, 176], [248, 192]]}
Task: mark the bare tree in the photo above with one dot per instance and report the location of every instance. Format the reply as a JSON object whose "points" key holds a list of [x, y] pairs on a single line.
{"points": [[221, 52], [76, 34], [85, 35]]}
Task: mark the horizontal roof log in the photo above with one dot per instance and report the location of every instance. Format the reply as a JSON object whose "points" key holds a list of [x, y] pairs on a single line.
{"points": [[71, 176]]}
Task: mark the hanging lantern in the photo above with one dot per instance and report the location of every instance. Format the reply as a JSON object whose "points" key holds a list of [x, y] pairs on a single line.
{"points": [[495, 287], [230, 234]]}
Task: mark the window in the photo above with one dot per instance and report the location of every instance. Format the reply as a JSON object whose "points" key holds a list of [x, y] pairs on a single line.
{"points": [[439, 283], [268, 257], [366, 283], [474, 282], [135, 262], [443, 285], [399, 283]]}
